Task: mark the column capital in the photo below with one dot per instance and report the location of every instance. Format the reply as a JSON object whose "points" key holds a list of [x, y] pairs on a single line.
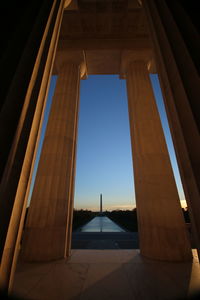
{"points": [[130, 56], [67, 3], [76, 57]]}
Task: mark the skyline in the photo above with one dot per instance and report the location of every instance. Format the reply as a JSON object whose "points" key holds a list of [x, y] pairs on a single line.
{"points": [[104, 158]]}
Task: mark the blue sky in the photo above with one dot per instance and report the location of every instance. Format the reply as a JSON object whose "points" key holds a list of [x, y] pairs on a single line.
{"points": [[104, 159]]}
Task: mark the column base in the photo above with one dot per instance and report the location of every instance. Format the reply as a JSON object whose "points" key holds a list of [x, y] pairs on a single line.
{"points": [[43, 244], [165, 244]]}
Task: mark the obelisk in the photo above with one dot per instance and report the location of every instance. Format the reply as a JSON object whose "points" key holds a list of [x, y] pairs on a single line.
{"points": [[100, 203]]}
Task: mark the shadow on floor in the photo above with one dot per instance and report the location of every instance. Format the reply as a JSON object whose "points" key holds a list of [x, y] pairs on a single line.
{"points": [[107, 274]]}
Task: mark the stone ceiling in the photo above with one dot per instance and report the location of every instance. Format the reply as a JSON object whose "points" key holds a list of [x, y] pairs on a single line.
{"points": [[104, 19], [103, 29]]}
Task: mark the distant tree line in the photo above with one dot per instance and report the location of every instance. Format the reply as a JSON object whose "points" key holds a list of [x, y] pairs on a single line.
{"points": [[81, 217], [127, 219]]}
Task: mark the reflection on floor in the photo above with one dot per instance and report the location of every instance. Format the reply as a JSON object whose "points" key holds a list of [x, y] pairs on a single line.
{"points": [[107, 274]]}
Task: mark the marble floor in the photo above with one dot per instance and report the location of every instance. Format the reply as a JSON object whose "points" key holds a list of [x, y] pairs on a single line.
{"points": [[105, 275]]}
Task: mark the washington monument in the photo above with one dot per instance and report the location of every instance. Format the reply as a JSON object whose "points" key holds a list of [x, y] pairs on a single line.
{"points": [[100, 203]]}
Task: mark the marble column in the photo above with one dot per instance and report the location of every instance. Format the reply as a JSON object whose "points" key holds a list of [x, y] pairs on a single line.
{"points": [[71, 204], [176, 47], [16, 176], [46, 230], [162, 231]]}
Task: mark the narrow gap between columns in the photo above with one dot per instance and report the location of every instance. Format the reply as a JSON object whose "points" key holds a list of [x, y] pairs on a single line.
{"points": [[41, 138], [168, 138], [104, 207]]}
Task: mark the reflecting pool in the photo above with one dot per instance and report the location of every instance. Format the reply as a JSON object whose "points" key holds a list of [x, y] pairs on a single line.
{"points": [[101, 224]]}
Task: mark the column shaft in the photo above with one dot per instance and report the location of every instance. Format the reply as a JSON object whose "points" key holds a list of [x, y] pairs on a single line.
{"points": [[162, 230], [16, 176], [46, 228], [71, 203], [173, 33]]}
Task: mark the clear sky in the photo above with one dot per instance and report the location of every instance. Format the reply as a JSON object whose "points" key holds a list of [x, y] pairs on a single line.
{"points": [[104, 159]]}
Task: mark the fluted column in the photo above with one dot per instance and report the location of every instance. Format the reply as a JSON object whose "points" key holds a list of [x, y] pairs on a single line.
{"points": [[15, 180], [46, 229], [176, 45], [162, 232], [71, 203]]}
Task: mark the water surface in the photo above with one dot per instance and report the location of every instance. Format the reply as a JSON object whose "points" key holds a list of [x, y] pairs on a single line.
{"points": [[101, 224]]}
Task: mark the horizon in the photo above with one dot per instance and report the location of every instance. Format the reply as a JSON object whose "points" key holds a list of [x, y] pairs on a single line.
{"points": [[183, 205]]}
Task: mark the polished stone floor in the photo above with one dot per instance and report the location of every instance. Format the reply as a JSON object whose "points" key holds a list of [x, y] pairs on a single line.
{"points": [[107, 275]]}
